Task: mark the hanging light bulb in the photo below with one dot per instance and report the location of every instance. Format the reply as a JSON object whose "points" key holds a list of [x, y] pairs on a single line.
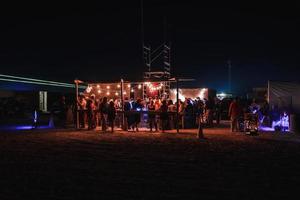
{"points": [[140, 86], [107, 87], [98, 86], [99, 91], [117, 94], [132, 90], [107, 93], [124, 92], [128, 85], [118, 85]]}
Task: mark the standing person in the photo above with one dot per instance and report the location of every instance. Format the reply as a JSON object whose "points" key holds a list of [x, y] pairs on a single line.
{"points": [[164, 115], [200, 110], [82, 108], [137, 116], [152, 116], [188, 114], [157, 105], [181, 113], [127, 108], [90, 112], [172, 110], [111, 115], [210, 104], [103, 109], [94, 110], [234, 113], [284, 119]]}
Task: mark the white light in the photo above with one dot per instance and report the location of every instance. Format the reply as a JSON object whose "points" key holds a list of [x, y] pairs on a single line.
{"points": [[132, 90], [140, 86], [202, 93], [118, 85], [128, 85], [107, 93], [98, 86], [88, 89], [99, 91], [124, 92], [181, 97], [107, 87], [117, 94]]}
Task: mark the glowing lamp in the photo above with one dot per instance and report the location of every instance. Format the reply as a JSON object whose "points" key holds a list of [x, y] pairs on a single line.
{"points": [[107, 87], [107, 93], [88, 89], [118, 85], [140, 86]]}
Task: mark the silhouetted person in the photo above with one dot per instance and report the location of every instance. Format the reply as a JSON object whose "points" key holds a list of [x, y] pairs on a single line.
{"points": [[234, 113], [103, 109], [111, 115], [210, 104], [90, 113], [164, 115], [127, 108], [152, 116], [137, 115], [82, 109]]}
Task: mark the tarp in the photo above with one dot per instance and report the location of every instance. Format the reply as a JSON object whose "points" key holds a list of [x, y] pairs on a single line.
{"points": [[192, 93], [285, 95]]}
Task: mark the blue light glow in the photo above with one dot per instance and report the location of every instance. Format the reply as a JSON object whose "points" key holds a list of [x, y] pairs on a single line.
{"points": [[283, 124], [22, 127]]}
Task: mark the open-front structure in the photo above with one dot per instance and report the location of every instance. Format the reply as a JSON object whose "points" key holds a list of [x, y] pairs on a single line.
{"points": [[140, 96]]}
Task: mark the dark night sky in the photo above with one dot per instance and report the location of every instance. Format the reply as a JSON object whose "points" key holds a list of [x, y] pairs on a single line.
{"points": [[102, 42]]}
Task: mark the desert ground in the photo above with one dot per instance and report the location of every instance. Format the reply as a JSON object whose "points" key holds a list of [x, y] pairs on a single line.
{"points": [[72, 164]]}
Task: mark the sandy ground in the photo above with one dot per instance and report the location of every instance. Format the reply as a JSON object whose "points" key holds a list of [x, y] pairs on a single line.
{"points": [[91, 165]]}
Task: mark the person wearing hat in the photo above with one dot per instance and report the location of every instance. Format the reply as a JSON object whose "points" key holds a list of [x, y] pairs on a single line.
{"points": [[81, 110]]}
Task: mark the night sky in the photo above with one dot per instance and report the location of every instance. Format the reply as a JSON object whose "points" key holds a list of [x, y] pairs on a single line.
{"points": [[103, 42]]}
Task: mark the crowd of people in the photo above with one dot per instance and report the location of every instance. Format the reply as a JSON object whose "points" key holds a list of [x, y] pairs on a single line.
{"points": [[159, 114], [155, 113], [259, 113]]}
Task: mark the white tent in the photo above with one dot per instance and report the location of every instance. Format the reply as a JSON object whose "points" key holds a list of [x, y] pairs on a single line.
{"points": [[286, 95]]}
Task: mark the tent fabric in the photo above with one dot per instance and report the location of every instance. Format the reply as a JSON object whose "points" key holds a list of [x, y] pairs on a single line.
{"points": [[189, 93], [285, 95]]}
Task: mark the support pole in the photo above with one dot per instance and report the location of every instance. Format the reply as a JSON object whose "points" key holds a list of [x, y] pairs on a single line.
{"points": [[77, 106], [177, 106], [122, 103]]}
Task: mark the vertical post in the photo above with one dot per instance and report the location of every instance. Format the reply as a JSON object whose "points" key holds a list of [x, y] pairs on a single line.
{"points": [[229, 76], [177, 106], [268, 92], [77, 106], [122, 103], [143, 96]]}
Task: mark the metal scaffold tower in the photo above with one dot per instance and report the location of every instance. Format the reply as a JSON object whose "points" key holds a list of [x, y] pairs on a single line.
{"points": [[162, 75], [163, 51]]}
